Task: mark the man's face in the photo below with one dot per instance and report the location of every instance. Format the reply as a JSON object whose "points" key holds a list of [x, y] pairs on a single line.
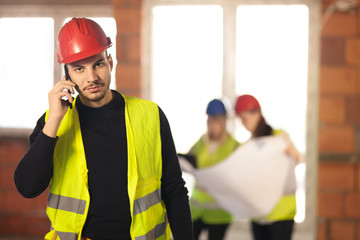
{"points": [[216, 125], [92, 77]]}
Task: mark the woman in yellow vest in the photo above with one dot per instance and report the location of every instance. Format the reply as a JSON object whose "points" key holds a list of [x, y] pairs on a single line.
{"points": [[278, 224], [211, 148]]}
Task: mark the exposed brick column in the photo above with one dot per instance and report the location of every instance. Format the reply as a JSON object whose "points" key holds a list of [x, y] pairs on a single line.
{"points": [[339, 135], [18, 216], [127, 14]]}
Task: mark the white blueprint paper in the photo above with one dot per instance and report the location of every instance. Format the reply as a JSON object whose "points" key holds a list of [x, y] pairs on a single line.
{"points": [[252, 179]]}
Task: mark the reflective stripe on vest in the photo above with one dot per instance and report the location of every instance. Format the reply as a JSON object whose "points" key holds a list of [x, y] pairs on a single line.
{"points": [[64, 235], [144, 203], [156, 232], [66, 203], [67, 235]]}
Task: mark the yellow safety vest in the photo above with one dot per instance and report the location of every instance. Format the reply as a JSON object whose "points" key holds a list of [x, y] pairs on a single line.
{"points": [[285, 209], [203, 205], [69, 197]]}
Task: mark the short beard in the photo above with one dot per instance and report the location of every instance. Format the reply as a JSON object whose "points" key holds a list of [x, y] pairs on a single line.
{"points": [[94, 99]]}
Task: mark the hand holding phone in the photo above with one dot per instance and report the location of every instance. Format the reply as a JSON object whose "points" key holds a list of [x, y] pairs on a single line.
{"points": [[67, 76], [58, 106]]}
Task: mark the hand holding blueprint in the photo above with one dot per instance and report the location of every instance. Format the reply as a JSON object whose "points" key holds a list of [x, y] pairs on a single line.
{"points": [[252, 179]]}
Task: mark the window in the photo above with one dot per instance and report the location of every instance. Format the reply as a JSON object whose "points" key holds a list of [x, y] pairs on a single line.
{"points": [[271, 64], [26, 69], [187, 67], [177, 79], [271, 55], [272, 58], [262, 45]]}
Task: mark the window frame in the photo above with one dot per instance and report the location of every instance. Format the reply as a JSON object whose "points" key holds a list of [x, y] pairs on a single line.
{"points": [[59, 13], [308, 228]]}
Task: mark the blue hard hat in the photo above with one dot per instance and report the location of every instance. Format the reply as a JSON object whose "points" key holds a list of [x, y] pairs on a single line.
{"points": [[216, 107]]}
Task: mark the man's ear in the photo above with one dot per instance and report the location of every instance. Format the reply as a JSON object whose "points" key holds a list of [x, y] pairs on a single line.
{"points": [[111, 62]]}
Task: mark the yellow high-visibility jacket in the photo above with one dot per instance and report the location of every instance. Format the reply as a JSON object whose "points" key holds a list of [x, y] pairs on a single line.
{"points": [[285, 209], [203, 205], [69, 197]]}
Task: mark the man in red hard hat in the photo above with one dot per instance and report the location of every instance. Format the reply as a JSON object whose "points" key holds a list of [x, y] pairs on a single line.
{"points": [[109, 159]]}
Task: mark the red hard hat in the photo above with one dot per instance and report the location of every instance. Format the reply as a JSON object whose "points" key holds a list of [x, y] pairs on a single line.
{"points": [[246, 103], [80, 38]]}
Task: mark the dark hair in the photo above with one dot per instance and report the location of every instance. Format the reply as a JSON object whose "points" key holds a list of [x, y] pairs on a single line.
{"points": [[263, 128]]}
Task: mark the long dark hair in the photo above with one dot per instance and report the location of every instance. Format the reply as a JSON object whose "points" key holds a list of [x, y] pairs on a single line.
{"points": [[263, 128]]}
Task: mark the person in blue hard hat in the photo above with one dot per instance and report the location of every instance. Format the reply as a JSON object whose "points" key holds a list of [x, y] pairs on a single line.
{"points": [[212, 147]]}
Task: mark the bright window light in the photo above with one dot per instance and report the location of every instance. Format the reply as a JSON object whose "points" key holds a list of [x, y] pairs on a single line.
{"points": [[26, 69], [272, 57], [108, 24], [187, 59], [271, 64]]}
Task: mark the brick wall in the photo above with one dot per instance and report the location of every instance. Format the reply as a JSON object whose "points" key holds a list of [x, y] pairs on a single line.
{"points": [[18, 216], [339, 128], [127, 14]]}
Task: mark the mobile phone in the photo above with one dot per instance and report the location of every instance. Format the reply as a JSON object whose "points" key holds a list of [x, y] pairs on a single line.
{"points": [[67, 77]]}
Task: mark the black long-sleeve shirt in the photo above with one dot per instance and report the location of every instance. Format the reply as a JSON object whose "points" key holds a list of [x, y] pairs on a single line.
{"points": [[104, 136]]}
